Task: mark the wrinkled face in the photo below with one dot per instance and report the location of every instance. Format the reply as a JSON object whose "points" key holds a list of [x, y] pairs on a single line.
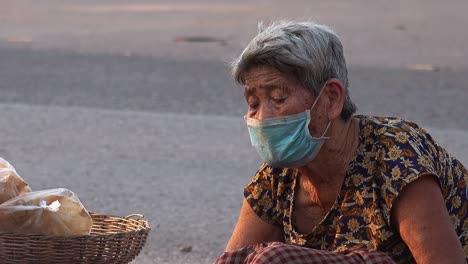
{"points": [[270, 93]]}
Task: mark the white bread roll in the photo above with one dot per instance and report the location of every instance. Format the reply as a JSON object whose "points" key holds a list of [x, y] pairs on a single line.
{"points": [[55, 212], [11, 184]]}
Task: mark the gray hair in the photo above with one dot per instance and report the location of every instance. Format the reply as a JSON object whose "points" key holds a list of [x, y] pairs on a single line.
{"points": [[310, 52]]}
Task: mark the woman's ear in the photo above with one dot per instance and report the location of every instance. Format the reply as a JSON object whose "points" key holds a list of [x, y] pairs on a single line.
{"points": [[336, 94]]}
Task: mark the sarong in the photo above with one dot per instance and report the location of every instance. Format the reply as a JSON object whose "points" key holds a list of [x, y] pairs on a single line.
{"points": [[281, 253]]}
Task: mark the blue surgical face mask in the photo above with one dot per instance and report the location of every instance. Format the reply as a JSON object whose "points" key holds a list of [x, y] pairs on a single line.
{"points": [[285, 142]]}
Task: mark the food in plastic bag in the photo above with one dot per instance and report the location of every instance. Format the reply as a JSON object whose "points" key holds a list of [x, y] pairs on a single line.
{"points": [[55, 212], [11, 184]]}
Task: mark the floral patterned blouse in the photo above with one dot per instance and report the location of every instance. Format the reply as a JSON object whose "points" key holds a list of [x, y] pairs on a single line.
{"points": [[392, 153]]}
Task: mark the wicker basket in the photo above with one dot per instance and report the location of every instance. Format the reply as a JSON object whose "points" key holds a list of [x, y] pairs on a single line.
{"points": [[113, 239]]}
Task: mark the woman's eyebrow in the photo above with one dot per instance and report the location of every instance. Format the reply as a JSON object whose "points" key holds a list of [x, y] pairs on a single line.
{"points": [[275, 84], [269, 87], [282, 86]]}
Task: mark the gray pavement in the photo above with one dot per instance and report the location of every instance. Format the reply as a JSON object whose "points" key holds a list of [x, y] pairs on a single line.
{"points": [[202, 86], [109, 100], [183, 172]]}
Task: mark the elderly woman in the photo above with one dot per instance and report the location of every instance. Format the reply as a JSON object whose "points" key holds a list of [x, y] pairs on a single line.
{"points": [[337, 187]]}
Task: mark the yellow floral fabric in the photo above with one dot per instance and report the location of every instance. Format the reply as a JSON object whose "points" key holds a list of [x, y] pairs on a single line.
{"points": [[392, 153]]}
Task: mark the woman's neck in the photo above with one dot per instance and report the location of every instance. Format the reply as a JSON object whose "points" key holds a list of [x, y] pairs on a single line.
{"points": [[324, 175]]}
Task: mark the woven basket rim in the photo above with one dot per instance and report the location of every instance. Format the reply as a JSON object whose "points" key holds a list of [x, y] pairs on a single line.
{"points": [[144, 227], [116, 240]]}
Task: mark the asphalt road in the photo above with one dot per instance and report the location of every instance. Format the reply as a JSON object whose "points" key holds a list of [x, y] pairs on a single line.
{"points": [[131, 105]]}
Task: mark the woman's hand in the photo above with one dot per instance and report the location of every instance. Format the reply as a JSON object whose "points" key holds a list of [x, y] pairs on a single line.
{"points": [[251, 229], [421, 217]]}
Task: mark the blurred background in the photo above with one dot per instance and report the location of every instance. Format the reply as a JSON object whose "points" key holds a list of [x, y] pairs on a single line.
{"points": [[130, 104]]}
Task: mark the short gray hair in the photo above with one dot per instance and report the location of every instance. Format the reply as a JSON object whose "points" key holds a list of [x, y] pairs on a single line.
{"points": [[310, 52]]}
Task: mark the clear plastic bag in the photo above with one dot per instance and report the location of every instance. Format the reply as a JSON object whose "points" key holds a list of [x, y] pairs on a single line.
{"points": [[11, 184], [55, 212]]}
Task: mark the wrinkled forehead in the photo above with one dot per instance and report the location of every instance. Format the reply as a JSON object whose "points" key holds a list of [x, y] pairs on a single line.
{"points": [[268, 78]]}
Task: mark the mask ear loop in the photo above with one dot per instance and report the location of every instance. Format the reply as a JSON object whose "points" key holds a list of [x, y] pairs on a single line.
{"points": [[326, 129], [316, 101], [318, 97]]}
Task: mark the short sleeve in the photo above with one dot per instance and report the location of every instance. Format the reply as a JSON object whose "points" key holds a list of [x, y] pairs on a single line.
{"points": [[262, 194], [407, 152]]}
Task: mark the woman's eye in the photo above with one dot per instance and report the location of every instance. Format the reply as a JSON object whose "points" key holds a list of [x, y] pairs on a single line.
{"points": [[252, 102], [253, 105], [279, 100]]}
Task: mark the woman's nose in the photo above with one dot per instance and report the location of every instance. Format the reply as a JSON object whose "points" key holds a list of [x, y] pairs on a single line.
{"points": [[264, 111]]}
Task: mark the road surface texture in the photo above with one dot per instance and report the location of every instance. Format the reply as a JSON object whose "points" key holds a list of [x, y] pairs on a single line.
{"points": [[130, 103]]}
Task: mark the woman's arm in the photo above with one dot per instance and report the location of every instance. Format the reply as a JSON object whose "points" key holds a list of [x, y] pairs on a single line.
{"points": [[421, 217], [251, 229]]}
